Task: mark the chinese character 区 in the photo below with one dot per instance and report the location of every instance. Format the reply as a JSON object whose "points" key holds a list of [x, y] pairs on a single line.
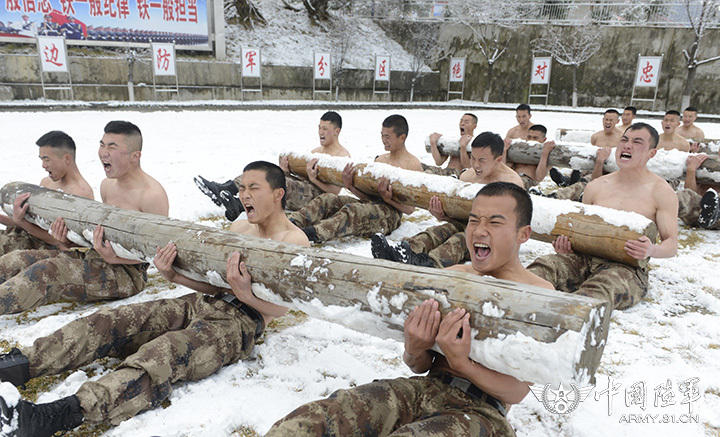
{"points": [[51, 55], [540, 70], [163, 59], [636, 394], [251, 60], [611, 390], [321, 66], [381, 70], [690, 391], [646, 73], [664, 394], [143, 9]]}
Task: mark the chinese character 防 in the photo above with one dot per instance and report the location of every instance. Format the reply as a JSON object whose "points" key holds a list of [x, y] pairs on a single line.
{"points": [[322, 64], [143, 9], [540, 70], [250, 56], [163, 59], [457, 70], [381, 70], [51, 55], [636, 394], [690, 391], [647, 74], [664, 395], [610, 391]]}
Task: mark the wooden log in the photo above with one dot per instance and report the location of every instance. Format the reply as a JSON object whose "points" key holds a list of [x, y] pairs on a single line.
{"points": [[537, 335], [591, 229]]}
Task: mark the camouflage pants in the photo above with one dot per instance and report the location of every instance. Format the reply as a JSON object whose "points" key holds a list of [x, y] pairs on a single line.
{"points": [[574, 192], [17, 239], [335, 216], [528, 181], [30, 278], [162, 342], [621, 285], [689, 208], [444, 244], [299, 191], [418, 406], [442, 171]]}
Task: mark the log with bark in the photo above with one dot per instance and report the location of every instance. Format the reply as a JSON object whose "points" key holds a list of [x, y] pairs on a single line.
{"points": [[537, 335], [668, 164], [593, 230]]}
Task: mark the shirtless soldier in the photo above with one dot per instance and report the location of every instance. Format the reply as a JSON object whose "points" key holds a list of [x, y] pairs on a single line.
{"points": [[688, 130], [182, 339], [57, 154], [38, 277], [632, 188], [627, 117], [522, 115], [443, 245], [299, 191], [531, 175], [458, 397], [456, 164], [670, 139], [610, 135], [330, 216]]}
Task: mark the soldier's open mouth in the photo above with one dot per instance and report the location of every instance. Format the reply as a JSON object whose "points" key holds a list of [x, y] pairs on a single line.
{"points": [[106, 166], [625, 155], [482, 250], [462, 131]]}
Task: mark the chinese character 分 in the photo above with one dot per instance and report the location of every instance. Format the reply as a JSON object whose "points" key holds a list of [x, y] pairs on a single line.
{"points": [[51, 55], [540, 70], [321, 65], [646, 73], [163, 59], [250, 56]]}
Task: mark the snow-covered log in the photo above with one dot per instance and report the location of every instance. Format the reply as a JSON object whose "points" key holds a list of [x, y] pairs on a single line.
{"points": [[446, 145], [594, 230], [537, 335]]}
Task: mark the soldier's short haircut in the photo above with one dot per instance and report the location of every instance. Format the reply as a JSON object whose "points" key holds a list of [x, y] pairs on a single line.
{"points": [[539, 128], [631, 109], [523, 203], [333, 117], [491, 140], [612, 111], [398, 123], [673, 112], [274, 175], [128, 129], [473, 116], [692, 109], [523, 107], [57, 140], [654, 137]]}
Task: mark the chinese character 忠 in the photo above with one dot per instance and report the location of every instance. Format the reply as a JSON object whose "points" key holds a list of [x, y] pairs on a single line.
{"points": [[646, 73]]}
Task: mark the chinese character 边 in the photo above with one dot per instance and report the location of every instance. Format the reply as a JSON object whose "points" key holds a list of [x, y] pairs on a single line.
{"points": [[321, 66], [457, 70], [163, 59], [51, 55], [664, 395], [381, 71], [611, 390], [540, 70], [690, 391], [250, 60], [647, 74], [636, 394]]}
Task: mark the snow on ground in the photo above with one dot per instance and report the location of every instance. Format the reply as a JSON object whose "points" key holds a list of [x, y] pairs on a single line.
{"points": [[289, 38], [672, 335]]}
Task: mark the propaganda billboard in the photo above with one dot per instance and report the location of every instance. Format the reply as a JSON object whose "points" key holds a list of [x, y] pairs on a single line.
{"points": [[107, 22]]}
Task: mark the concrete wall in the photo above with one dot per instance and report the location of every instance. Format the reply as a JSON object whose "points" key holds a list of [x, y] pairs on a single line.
{"points": [[105, 78]]}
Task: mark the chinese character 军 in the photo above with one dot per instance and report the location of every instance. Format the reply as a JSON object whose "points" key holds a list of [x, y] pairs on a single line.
{"points": [[664, 394], [690, 391], [611, 390], [250, 60], [636, 394]]}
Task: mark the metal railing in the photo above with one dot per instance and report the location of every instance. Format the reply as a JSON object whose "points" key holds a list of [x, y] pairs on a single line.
{"points": [[561, 12]]}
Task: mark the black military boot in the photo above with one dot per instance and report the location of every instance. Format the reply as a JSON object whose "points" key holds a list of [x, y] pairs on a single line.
{"points": [[311, 234], [709, 209], [381, 248], [416, 259], [213, 189], [43, 420], [233, 206], [14, 367], [564, 181]]}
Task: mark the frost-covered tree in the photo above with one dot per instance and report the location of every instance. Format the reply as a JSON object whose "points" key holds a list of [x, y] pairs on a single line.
{"points": [[341, 46], [491, 23], [701, 14], [425, 50], [571, 46], [245, 11]]}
